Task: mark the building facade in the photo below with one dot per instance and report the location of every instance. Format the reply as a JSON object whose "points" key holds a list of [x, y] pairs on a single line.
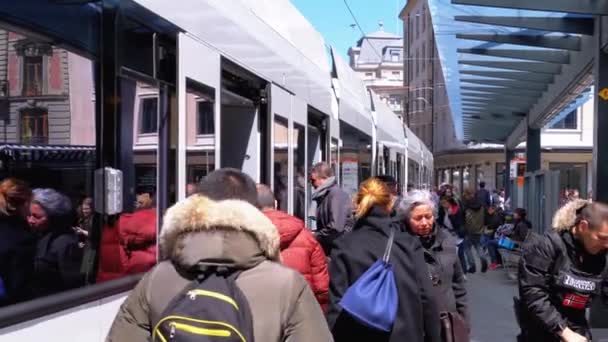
{"points": [[378, 59], [426, 107]]}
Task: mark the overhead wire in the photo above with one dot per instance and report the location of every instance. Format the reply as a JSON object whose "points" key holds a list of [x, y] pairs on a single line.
{"points": [[352, 14]]}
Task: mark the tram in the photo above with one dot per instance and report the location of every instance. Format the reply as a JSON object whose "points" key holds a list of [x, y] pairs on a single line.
{"points": [[110, 99]]}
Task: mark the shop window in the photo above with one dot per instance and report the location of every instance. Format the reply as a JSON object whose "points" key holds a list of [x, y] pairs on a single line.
{"points": [[34, 126], [148, 115]]}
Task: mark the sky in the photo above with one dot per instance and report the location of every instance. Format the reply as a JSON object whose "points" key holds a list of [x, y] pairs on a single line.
{"points": [[333, 20]]}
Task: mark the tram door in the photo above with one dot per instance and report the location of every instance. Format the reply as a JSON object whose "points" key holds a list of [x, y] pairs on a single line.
{"points": [[244, 122]]}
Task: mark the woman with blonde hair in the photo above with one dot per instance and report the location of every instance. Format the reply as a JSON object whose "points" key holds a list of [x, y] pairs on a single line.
{"points": [[417, 314]]}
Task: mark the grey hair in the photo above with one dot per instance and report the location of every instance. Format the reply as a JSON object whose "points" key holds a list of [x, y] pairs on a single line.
{"points": [[54, 203], [413, 199]]}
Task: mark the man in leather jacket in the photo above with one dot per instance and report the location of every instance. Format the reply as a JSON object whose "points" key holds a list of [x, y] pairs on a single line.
{"points": [[561, 272]]}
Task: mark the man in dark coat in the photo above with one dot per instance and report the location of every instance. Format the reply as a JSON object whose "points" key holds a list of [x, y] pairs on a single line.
{"points": [[334, 206], [561, 273]]}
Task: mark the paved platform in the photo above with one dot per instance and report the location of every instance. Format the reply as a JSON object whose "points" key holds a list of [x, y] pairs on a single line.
{"points": [[491, 307]]}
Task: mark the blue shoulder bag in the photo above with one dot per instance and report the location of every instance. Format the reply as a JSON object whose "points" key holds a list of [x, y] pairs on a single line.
{"points": [[373, 298]]}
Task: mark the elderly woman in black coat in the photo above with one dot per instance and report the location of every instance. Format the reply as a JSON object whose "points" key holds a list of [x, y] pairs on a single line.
{"points": [[440, 252]]}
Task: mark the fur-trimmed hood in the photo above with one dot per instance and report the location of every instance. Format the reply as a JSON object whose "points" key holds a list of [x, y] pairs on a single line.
{"points": [[565, 217], [198, 213]]}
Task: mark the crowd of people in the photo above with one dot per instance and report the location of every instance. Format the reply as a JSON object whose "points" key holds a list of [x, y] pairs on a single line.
{"points": [[381, 266]]}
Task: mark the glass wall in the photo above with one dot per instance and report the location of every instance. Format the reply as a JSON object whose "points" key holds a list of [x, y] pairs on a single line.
{"points": [[281, 170], [572, 176]]}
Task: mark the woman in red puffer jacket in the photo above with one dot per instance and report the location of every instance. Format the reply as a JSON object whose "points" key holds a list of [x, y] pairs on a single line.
{"points": [[299, 248]]}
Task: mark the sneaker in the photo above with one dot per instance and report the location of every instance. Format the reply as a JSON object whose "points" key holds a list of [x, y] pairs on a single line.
{"points": [[493, 266]]}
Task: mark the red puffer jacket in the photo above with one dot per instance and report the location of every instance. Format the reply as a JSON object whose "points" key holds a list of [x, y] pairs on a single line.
{"points": [[137, 234], [129, 246], [301, 251]]}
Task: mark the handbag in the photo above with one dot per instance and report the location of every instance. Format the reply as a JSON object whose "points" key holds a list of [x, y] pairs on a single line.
{"points": [[372, 299], [453, 327]]}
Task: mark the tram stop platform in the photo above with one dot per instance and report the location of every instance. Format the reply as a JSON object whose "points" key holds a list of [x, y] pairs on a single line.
{"points": [[491, 308]]}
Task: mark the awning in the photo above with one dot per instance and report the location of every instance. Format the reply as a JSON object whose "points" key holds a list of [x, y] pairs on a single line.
{"points": [[354, 102], [270, 38], [389, 127], [48, 153]]}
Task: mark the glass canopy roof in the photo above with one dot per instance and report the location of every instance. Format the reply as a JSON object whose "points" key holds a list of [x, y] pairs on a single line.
{"points": [[496, 71]]}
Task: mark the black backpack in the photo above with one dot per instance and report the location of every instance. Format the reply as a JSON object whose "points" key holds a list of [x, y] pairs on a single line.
{"points": [[210, 308]]}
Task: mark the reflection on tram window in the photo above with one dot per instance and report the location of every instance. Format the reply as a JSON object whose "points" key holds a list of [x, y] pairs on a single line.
{"points": [[128, 240], [47, 107], [200, 133], [281, 140]]}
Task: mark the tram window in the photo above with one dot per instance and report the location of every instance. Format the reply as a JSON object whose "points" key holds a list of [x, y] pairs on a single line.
{"points": [[299, 166], [49, 146], [281, 133], [200, 134]]}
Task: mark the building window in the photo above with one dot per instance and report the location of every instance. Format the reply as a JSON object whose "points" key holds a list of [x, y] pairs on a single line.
{"points": [[423, 15], [148, 118], [570, 121], [34, 126], [32, 75], [205, 117], [369, 75]]}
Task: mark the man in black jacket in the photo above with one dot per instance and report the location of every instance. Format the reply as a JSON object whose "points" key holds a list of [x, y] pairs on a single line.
{"points": [[562, 272]]}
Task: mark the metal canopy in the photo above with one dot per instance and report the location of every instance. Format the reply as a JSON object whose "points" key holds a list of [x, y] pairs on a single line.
{"points": [[552, 42], [504, 61], [506, 83], [500, 90], [519, 76], [550, 56], [595, 7], [498, 95], [565, 25], [541, 68]]}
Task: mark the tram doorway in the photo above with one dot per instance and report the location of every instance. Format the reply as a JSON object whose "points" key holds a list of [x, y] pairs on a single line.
{"points": [[244, 130]]}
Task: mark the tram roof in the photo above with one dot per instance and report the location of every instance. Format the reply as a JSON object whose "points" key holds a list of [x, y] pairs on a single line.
{"points": [[509, 63]]}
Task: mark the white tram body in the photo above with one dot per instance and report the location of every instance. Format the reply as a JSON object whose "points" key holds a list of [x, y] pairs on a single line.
{"points": [[277, 100]]}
